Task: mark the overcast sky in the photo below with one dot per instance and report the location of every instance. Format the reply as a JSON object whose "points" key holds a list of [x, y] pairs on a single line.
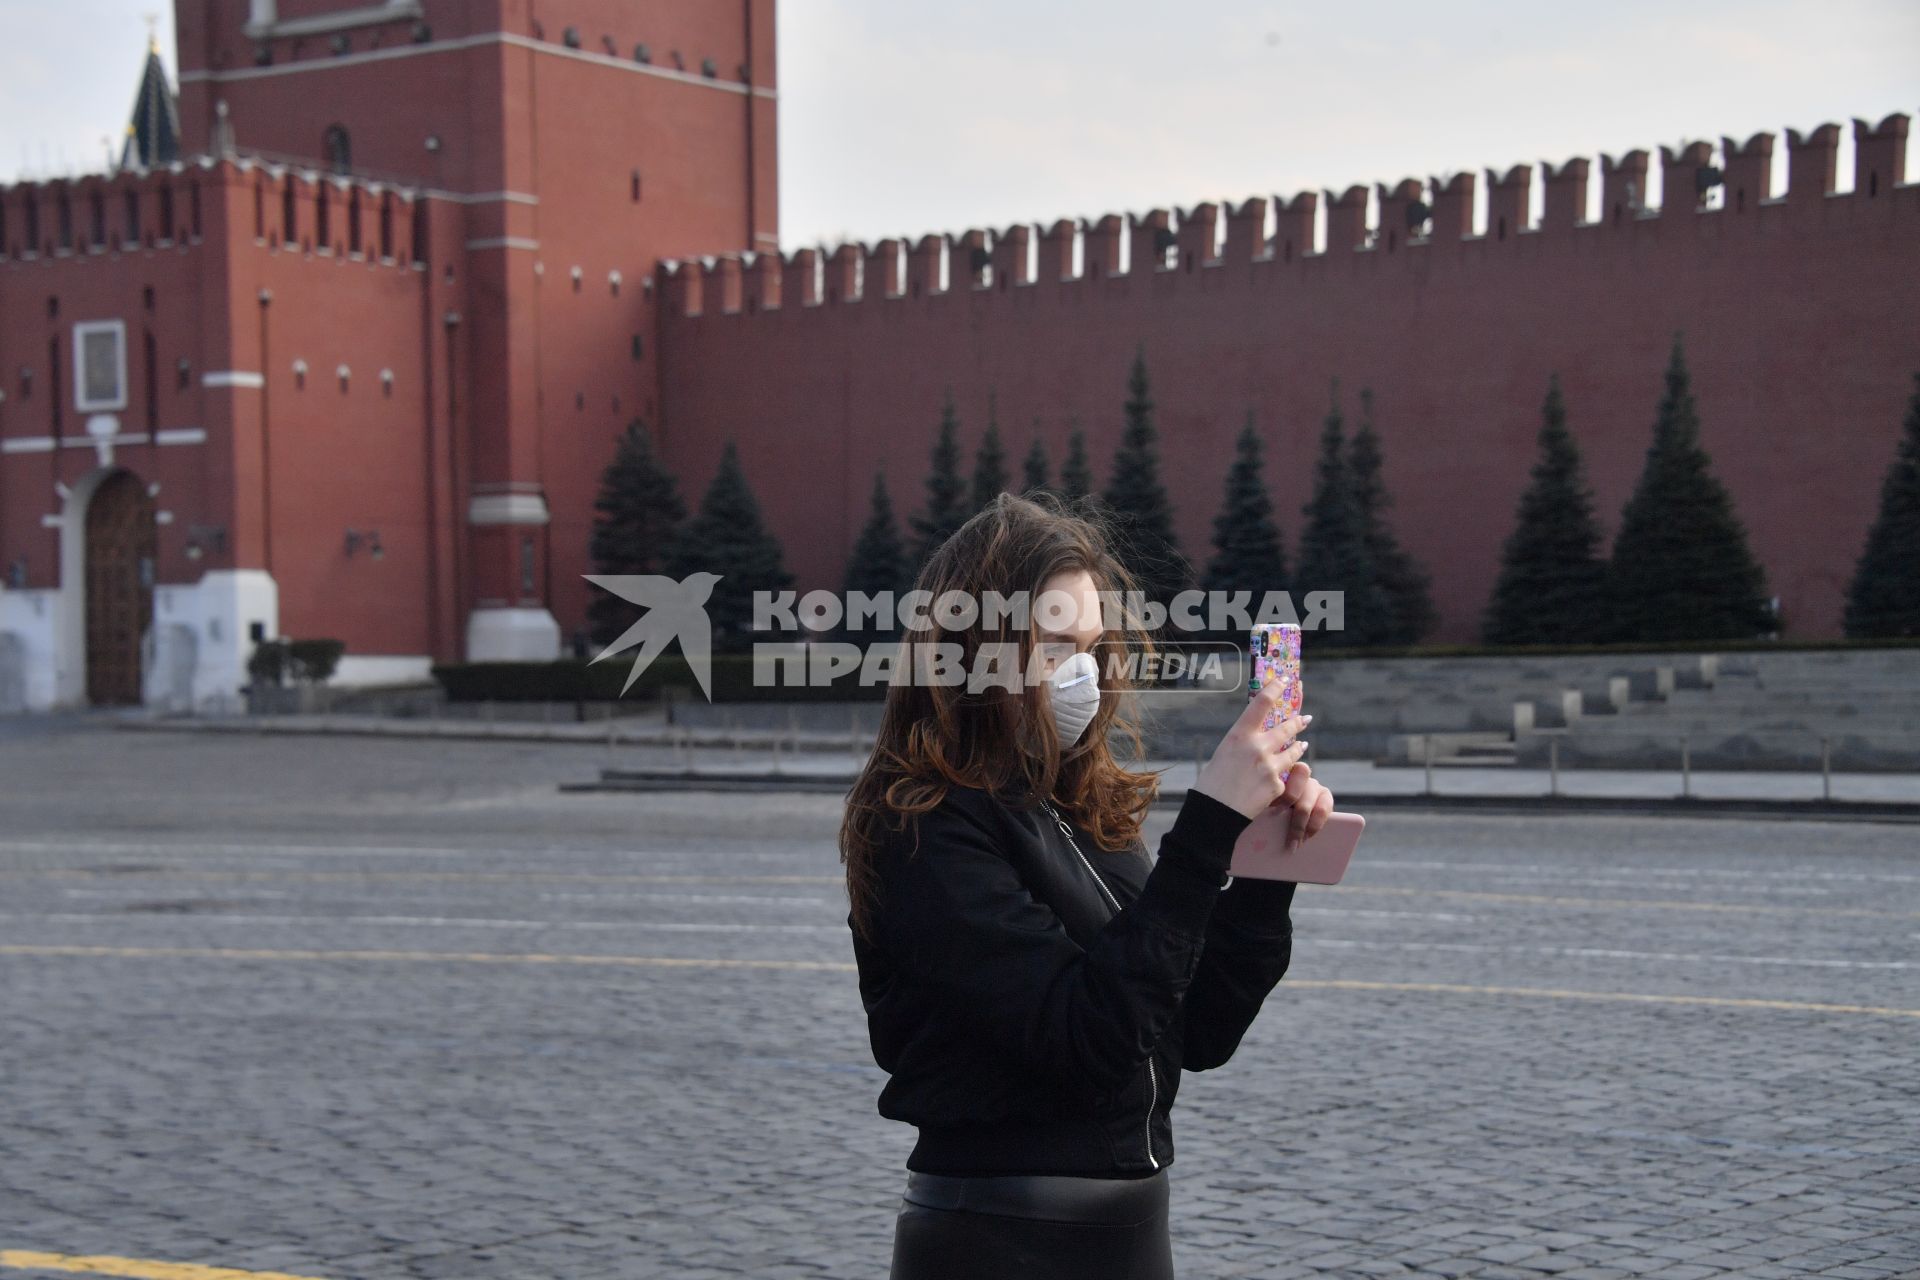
{"points": [[900, 117]]}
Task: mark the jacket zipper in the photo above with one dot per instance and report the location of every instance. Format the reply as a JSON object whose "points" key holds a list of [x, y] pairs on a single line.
{"points": [[1153, 1080]]}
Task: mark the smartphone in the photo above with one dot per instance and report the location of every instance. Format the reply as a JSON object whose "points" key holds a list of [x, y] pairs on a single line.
{"points": [[1275, 649], [1260, 852], [1322, 858]]}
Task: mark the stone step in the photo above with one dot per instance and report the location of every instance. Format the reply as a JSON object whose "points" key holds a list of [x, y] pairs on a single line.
{"points": [[1490, 748]]}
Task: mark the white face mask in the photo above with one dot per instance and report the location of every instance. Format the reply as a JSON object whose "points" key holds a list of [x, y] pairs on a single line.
{"points": [[1075, 694]]}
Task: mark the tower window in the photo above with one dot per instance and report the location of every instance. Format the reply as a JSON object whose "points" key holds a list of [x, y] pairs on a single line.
{"points": [[323, 220], [337, 147], [98, 204], [386, 224], [166, 213], [133, 215], [353, 221], [100, 366], [289, 212], [636, 186], [63, 208]]}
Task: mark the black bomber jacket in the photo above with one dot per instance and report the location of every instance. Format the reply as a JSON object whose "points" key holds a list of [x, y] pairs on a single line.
{"points": [[1034, 1003]]}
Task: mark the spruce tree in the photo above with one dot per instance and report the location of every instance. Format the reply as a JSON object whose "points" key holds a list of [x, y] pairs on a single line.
{"points": [[1551, 587], [728, 537], [1681, 569], [1076, 475], [1248, 554], [1334, 555], [1034, 469], [946, 508], [879, 561], [989, 462], [1884, 597], [1405, 583], [1137, 501], [638, 513]]}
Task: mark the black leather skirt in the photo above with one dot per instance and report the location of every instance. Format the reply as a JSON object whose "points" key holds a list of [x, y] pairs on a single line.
{"points": [[1033, 1226]]}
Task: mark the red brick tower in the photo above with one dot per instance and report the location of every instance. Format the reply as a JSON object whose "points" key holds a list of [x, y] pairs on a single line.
{"points": [[584, 141]]}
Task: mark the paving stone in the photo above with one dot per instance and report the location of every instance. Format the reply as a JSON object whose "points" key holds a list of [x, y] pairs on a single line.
{"points": [[408, 1118]]}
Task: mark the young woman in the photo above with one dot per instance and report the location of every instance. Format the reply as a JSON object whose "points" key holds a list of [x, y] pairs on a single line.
{"points": [[1034, 984]]}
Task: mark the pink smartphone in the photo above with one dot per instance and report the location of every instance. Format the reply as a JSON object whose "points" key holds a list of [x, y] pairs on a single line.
{"points": [[1321, 859], [1260, 853]]}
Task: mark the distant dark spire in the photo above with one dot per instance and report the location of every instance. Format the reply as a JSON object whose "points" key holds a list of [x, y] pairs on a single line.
{"points": [[153, 134]]}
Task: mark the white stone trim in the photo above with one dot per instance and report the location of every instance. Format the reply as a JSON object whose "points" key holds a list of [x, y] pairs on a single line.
{"points": [[507, 634], [364, 670], [472, 42], [200, 641], [264, 22], [504, 242], [27, 648], [94, 442], [27, 444], [486, 197], [233, 378], [181, 435], [508, 508]]}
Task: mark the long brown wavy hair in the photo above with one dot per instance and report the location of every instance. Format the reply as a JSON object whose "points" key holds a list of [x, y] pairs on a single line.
{"points": [[934, 736]]}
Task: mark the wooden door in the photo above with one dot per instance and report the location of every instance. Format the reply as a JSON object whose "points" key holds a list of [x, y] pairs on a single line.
{"points": [[121, 543]]}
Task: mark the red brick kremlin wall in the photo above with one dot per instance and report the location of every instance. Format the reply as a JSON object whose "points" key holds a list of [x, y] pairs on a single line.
{"points": [[1797, 308]]}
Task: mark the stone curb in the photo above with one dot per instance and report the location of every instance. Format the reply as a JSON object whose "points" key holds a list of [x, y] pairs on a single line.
{"points": [[1632, 806]]}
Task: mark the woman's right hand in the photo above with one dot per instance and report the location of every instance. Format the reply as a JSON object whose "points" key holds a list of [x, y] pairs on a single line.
{"points": [[1245, 772]]}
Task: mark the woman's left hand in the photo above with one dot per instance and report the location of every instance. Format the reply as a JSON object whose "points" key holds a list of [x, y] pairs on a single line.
{"points": [[1310, 802]]}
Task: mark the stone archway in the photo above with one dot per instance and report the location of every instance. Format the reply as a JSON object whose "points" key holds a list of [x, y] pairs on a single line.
{"points": [[121, 543]]}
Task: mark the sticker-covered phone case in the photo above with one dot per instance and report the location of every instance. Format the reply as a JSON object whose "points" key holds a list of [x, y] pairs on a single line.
{"points": [[1275, 648]]}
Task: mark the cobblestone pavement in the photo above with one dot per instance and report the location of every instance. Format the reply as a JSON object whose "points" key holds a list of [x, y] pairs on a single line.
{"points": [[355, 1008]]}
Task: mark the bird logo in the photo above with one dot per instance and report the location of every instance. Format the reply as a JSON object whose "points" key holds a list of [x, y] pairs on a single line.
{"points": [[674, 609]]}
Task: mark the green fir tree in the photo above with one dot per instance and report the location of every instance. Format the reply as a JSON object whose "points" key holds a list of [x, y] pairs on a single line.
{"points": [[1076, 473], [727, 537], [1680, 568], [1551, 586], [1404, 582], [989, 462], [879, 560], [1248, 554], [1334, 555], [1137, 502], [946, 508], [1034, 473], [1884, 597], [637, 516]]}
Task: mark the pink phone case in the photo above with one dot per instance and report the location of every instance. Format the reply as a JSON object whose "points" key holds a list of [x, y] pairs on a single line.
{"points": [[1321, 859]]}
